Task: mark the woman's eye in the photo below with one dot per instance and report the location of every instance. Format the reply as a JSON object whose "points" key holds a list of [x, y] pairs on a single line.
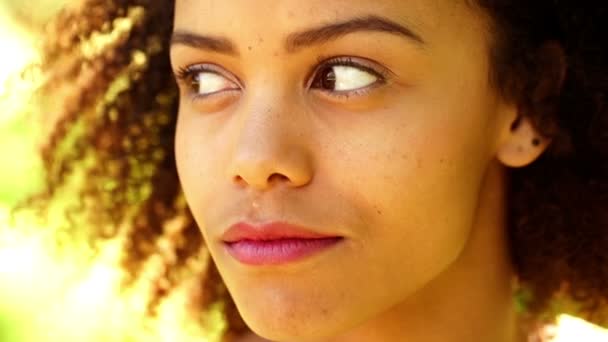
{"points": [[343, 78], [202, 80], [206, 83]]}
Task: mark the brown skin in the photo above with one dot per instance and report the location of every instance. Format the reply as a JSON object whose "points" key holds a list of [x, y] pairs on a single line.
{"points": [[556, 205], [412, 172]]}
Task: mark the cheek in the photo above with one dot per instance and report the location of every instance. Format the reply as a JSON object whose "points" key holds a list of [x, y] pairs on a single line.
{"points": [[414, 178], [195, 160]]}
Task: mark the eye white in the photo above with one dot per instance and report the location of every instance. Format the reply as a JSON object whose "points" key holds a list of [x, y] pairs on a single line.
{"points": [[351, 78], [209, 82]]}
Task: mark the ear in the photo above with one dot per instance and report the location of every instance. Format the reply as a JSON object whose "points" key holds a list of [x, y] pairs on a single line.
{"points": [[523, 144]]}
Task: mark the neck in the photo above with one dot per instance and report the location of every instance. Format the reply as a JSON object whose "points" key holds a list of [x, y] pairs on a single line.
{"points": [[472, 299]]}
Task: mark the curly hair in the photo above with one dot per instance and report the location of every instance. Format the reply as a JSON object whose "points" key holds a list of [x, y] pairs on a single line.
{"points": [[115, 122]]}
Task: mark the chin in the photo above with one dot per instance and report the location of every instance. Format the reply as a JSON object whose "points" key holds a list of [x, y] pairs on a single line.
{"points": [[290, 327]]}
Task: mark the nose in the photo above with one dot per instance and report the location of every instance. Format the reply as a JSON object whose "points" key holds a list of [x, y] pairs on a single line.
{"points": [[270, 148]]}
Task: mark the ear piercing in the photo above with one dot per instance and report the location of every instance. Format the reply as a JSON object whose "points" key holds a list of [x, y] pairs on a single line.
{"points": [[535, 141]]}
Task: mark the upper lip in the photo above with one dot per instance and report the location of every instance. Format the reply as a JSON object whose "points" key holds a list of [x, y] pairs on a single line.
{"points": [[270, 231]]}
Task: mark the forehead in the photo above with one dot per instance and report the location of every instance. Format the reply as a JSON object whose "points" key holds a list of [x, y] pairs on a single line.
{"points": [[265, 19]]}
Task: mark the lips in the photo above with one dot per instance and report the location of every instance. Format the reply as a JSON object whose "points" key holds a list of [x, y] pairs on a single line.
{"points": [[270, 231], [275, 243]]}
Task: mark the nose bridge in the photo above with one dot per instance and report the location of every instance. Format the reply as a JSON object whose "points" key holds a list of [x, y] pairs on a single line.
{"points": [[269, 144]]}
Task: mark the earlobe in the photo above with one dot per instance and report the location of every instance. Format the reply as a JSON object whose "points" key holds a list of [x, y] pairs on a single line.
{"points": [[523, 145]]}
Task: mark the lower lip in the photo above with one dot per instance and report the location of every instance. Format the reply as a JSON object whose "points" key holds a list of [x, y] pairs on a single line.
{"points": [[273, 252]]}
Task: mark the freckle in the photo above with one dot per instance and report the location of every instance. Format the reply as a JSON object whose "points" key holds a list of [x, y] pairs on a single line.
{"points": [[441, 161], [249, 47], [378, 210]]}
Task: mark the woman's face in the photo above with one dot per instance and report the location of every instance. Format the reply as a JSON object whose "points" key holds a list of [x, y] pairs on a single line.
{"points": [[372, 120]]}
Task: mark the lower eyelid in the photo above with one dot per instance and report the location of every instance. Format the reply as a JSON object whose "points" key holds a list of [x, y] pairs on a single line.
{"points": [[215, 96], [355, 92], [344, 94], [215, 93]]}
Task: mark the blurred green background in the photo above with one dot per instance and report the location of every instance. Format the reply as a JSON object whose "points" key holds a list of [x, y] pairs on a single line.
{"points": [[20, 174], [18, 32], [38, 291]]}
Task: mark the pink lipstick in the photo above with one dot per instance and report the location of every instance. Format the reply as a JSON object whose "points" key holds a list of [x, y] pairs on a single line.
{"points": [[275, 243]]}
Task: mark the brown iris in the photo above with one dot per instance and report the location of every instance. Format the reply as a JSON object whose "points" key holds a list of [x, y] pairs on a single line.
{"points": [[325, 79]]}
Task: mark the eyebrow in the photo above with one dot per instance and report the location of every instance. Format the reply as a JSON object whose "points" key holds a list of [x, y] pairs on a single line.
{"points": [[306, 38], [330, 32]]}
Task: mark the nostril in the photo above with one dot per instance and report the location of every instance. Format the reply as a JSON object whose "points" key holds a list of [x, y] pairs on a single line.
{"points": [[273, 178], [239, 180], [277, 177]]}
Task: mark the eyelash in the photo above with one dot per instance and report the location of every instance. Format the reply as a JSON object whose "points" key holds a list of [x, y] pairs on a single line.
{"points": [[185, 75], [381, 73]]}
